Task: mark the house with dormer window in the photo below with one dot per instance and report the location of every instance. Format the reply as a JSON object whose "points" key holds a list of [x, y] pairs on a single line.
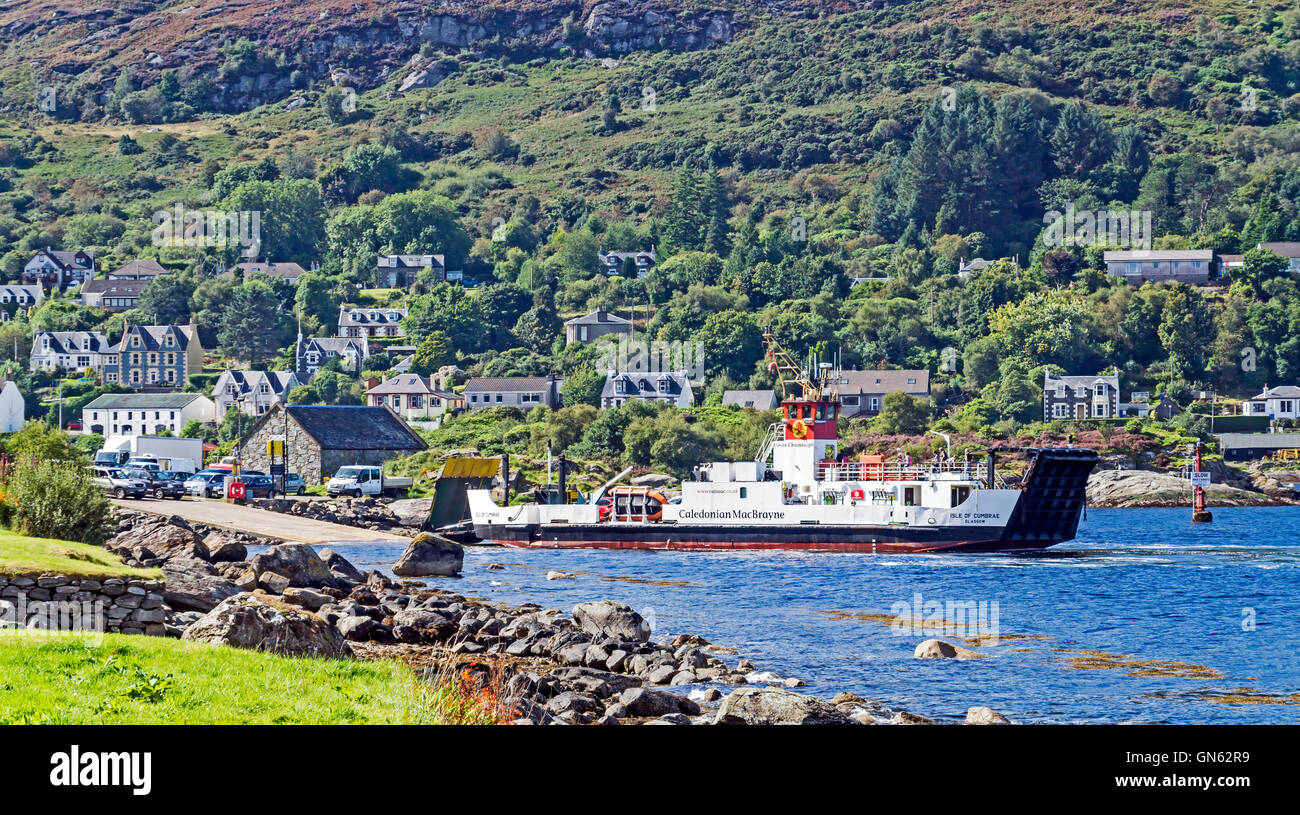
{"points": [[862, 393], [15, 298], [72, 351], [155, 357], [253, 392], [1080, 397], [673, 387], [313, 352], [374, 323]]}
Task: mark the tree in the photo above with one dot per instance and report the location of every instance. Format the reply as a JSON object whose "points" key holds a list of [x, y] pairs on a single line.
{"points": [[165, 300], [433, 353], [583, 387], [339, 105], [1081, 141], [452, 310], [37, 440], [251, 326], [902, 413], [1184, 327], [193, 429], [292, 216]]}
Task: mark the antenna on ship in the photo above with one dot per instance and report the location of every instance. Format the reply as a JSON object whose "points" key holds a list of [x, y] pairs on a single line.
{"points": [[789, 373]]}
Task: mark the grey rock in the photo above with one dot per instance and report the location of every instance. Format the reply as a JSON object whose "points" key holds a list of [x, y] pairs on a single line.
{"points": [[611, 619], [755, 705], [643, 702], [296, 561], [355, 628], [938, 649], [984, 715], [245, 621], [273, 583], [430, 555]]}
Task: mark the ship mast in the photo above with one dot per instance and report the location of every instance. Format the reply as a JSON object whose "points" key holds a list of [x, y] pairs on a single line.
{"points": [[791, 375]]}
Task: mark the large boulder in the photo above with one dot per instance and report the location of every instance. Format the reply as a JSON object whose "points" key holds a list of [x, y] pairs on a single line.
{"points": [[984, 715], [296, 561], [412, 512], [162, 539], [644, 702], [430, 555], [611, 619], [341, 567], [195, 585], [652, 480], [938, 649], [249, 621], [775, 706]]}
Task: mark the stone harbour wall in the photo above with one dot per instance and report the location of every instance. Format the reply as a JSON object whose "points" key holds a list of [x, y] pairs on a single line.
{"points": [[114, 604]]}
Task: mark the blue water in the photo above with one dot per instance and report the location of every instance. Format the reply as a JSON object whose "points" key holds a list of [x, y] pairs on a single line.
{"points": [[1144, 585]]}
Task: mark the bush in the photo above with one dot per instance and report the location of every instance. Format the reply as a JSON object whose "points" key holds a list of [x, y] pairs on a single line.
{"points": [[57, 499]]}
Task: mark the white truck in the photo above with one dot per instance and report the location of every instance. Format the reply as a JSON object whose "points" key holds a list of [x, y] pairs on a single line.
{"points": [[359, 479], [170, 454]]}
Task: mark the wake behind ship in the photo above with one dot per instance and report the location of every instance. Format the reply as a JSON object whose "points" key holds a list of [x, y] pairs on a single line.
{"points": [[799, 494]]}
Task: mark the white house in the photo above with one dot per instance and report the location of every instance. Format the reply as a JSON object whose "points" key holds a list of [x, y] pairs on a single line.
{"points": [[412, 397], [14, 298], [1282, 402], [253, 391], [145, 414], [70, 351], [673, 387], [371, 322], [525, 392], [13, 411]]}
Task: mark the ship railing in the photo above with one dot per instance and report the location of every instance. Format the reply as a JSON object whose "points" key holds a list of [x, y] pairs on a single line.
{"points": [[871, 471]]}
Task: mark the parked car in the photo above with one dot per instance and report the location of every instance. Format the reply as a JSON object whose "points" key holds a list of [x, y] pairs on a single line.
{"points": [[162, 484], [117, 484], [206, 484], [294, 484], [260, 486]]}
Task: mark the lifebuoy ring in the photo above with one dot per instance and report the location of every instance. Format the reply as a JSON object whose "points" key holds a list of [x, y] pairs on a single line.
{"points": [[771, 367], [799, 428], [857, 494]]}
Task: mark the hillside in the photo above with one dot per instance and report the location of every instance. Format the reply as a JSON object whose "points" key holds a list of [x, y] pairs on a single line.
{"points": [[774, 156]]}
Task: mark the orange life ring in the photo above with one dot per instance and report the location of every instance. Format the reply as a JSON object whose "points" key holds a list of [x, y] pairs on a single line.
{"points": [[799, 428]]}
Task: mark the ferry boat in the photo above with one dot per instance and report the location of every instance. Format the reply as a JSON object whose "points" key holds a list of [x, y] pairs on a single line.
{"points": [[800, 494]]}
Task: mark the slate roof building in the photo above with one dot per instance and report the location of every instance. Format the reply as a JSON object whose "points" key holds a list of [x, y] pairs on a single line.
{"points": [[400, 271], [666, 386], [287, 271], [371, 322], [313, 352], [863, 392], [413, 397], [1280, 402], [112, 294], [16, 297], [525, 392], [319, 439], [252, 391], [593, 325], [155, 356], [145, 414], [1080, 397], [57, 269], [1246, 446], [759, 400], [70, 351], [145, 270]]}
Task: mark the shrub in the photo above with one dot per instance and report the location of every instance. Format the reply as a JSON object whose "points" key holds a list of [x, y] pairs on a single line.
{"points": [[57, 499]]}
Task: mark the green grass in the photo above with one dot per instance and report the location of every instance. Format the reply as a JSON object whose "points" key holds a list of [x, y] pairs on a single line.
{"points": [[150, 680], [23, 555]]}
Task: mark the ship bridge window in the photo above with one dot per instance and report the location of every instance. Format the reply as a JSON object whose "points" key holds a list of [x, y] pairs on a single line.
{"points": [[821, 412]]}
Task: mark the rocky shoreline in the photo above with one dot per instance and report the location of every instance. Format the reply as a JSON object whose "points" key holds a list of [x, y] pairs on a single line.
{"points": [[1145, 489], [594, 664]]}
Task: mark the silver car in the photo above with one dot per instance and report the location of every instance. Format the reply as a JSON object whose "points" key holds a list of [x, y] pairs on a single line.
{"points": [[117, 484]]}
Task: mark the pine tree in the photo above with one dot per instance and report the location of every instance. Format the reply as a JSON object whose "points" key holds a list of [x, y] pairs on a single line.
{"points": [[682, 225]]}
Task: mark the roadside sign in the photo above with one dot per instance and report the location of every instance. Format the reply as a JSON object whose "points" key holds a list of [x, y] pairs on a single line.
{"points": [[275, 447], [277, 469], [1201, 479]]}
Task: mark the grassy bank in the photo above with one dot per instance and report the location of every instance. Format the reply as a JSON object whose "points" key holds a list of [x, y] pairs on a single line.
{"points": [[148, 680], [23, 555]]}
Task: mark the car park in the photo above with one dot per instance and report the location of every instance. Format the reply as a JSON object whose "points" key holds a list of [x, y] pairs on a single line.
{"points": [[162, 484]]}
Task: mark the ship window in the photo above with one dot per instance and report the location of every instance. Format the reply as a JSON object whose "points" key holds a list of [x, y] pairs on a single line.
{"points": [[910, 495], [959, 495], [744, 492], [821, 412]]}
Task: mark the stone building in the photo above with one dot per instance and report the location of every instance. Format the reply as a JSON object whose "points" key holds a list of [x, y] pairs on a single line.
{"points": [[322, 438]]}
